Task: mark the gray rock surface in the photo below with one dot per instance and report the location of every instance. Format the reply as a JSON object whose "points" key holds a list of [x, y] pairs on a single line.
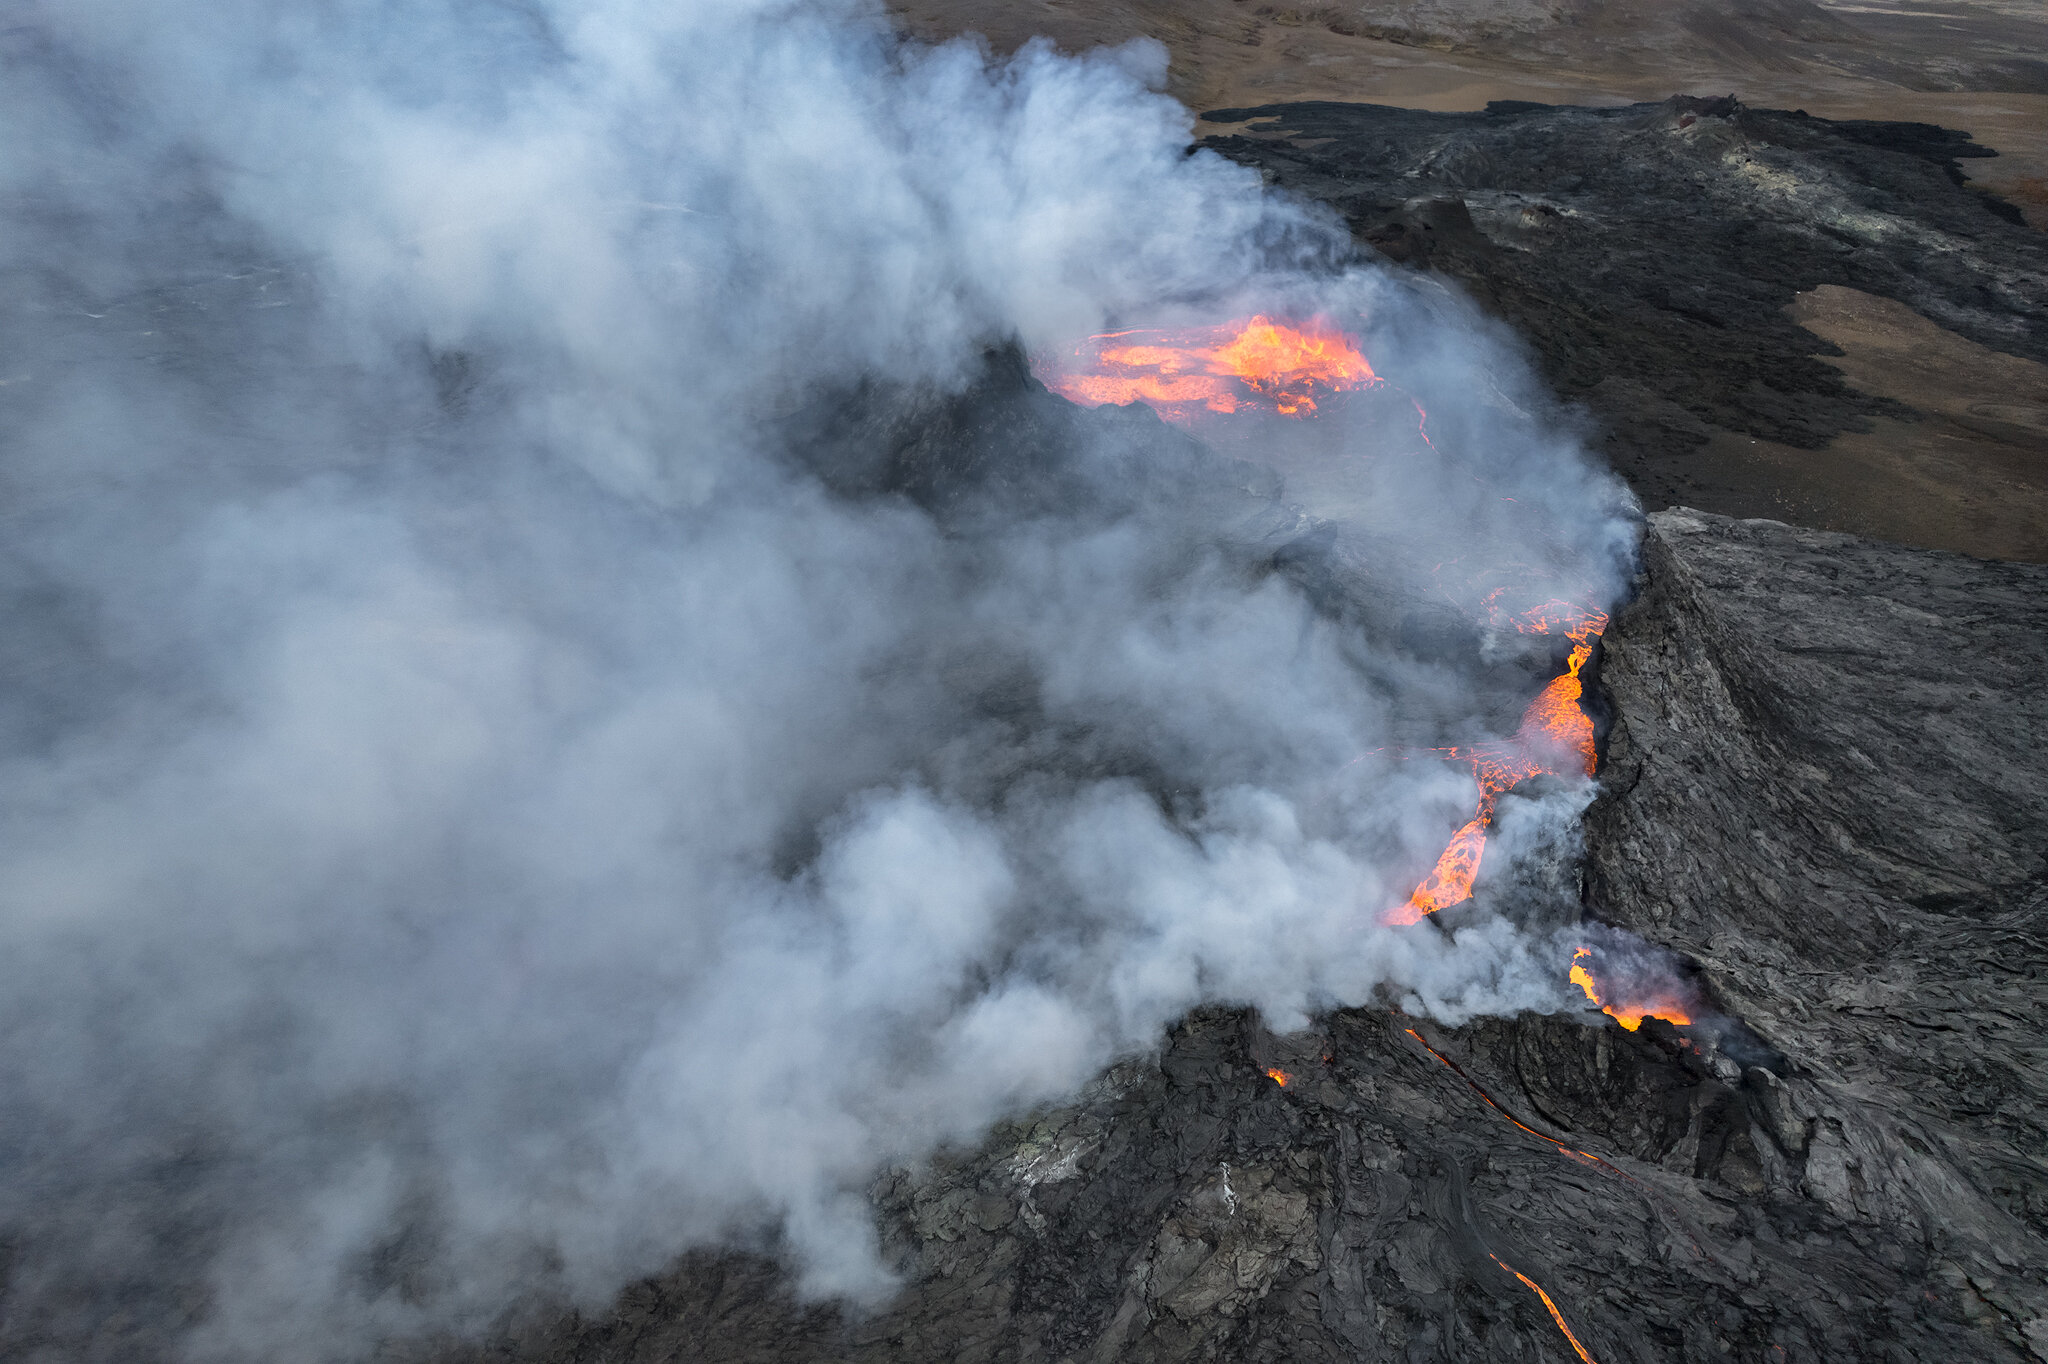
{"points": [[1646, 255], [1824, 786], [1820, 783]]}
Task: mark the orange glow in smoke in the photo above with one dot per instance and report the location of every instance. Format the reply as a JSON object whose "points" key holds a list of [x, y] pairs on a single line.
{"points": [[1256, 364], [1556, 735], [1631, 1011]]}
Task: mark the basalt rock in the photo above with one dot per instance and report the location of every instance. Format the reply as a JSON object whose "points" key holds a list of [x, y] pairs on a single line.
{"points": [[1646, 255], [1821, 783], [1824, 786]]}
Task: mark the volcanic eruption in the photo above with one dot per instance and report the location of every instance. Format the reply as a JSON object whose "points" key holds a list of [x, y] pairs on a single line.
{"points": [[587, 703], [1203, 376]]}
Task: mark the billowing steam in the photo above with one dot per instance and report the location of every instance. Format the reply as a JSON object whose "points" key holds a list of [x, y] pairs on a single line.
{"points": [[567, 697]]}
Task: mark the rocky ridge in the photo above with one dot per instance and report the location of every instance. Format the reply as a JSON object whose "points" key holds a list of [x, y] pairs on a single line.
{"points": [[1854, 1172], [1821, 787], [1817, 785]]}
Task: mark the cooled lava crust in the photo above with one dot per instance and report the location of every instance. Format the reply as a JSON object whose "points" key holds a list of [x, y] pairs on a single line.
{"points": [[1647, 255], [1820, 781]]}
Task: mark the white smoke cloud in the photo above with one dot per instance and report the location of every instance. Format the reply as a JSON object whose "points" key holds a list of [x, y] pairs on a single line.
{"points": [[483, 815]]}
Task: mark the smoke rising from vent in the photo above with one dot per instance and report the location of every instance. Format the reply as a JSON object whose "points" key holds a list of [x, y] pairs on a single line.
{"points": [[568, 697]]}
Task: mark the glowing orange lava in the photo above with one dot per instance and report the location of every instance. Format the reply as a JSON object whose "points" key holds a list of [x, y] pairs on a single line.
{"points": [[1629, 1012], [1556, 735], [1555, 1315], [1279, 1077], [1259, 364], [1573, 1153], [1255, 364], [1584, 1157]]}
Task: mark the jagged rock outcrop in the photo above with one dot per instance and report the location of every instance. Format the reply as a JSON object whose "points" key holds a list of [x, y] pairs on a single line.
{"points": [[1824, 787], [1819, 783]]}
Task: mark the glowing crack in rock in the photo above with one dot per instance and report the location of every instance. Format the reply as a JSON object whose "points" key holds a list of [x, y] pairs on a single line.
{"points": [[1548, 1306]]}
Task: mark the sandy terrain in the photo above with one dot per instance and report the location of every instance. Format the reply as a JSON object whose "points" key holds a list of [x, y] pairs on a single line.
{"points": [[1967, 473]]}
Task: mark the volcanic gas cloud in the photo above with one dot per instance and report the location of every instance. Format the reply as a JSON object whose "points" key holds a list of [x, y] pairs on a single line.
{"points": [[1197, 376], [582, 702]]}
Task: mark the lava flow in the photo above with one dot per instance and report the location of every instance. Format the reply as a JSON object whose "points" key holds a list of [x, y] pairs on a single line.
{"points": [[1555, 735], [1627, 1010], [1550, 1306], [1259, 364], [1572, 1152]]}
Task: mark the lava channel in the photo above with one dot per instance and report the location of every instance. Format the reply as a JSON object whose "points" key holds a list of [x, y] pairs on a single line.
{"points": [[1548, 1305], [1555, 736]]}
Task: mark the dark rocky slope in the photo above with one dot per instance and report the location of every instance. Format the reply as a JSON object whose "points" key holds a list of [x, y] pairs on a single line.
{"points": [[1824, 786], [1820, 783], [1646, 255]]}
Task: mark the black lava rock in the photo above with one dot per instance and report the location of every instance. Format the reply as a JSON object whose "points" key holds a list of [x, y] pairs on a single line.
{"points": [[1646, 254]]}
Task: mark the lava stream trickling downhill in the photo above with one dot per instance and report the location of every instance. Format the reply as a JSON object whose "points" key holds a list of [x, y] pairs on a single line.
{"points": [[1573, 1153], [1555, 736], [1548, 1305], [1195, 375]]}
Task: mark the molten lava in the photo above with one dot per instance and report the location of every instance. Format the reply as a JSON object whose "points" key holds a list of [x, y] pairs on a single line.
{"points": [[1584, 1157], [1629, 1010], [1255, 364], [1555, 1315], [1260, 364], [1555, 736]]}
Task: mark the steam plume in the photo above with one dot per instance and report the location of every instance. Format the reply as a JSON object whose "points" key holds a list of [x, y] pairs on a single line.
{"points": [[500, 788]]}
